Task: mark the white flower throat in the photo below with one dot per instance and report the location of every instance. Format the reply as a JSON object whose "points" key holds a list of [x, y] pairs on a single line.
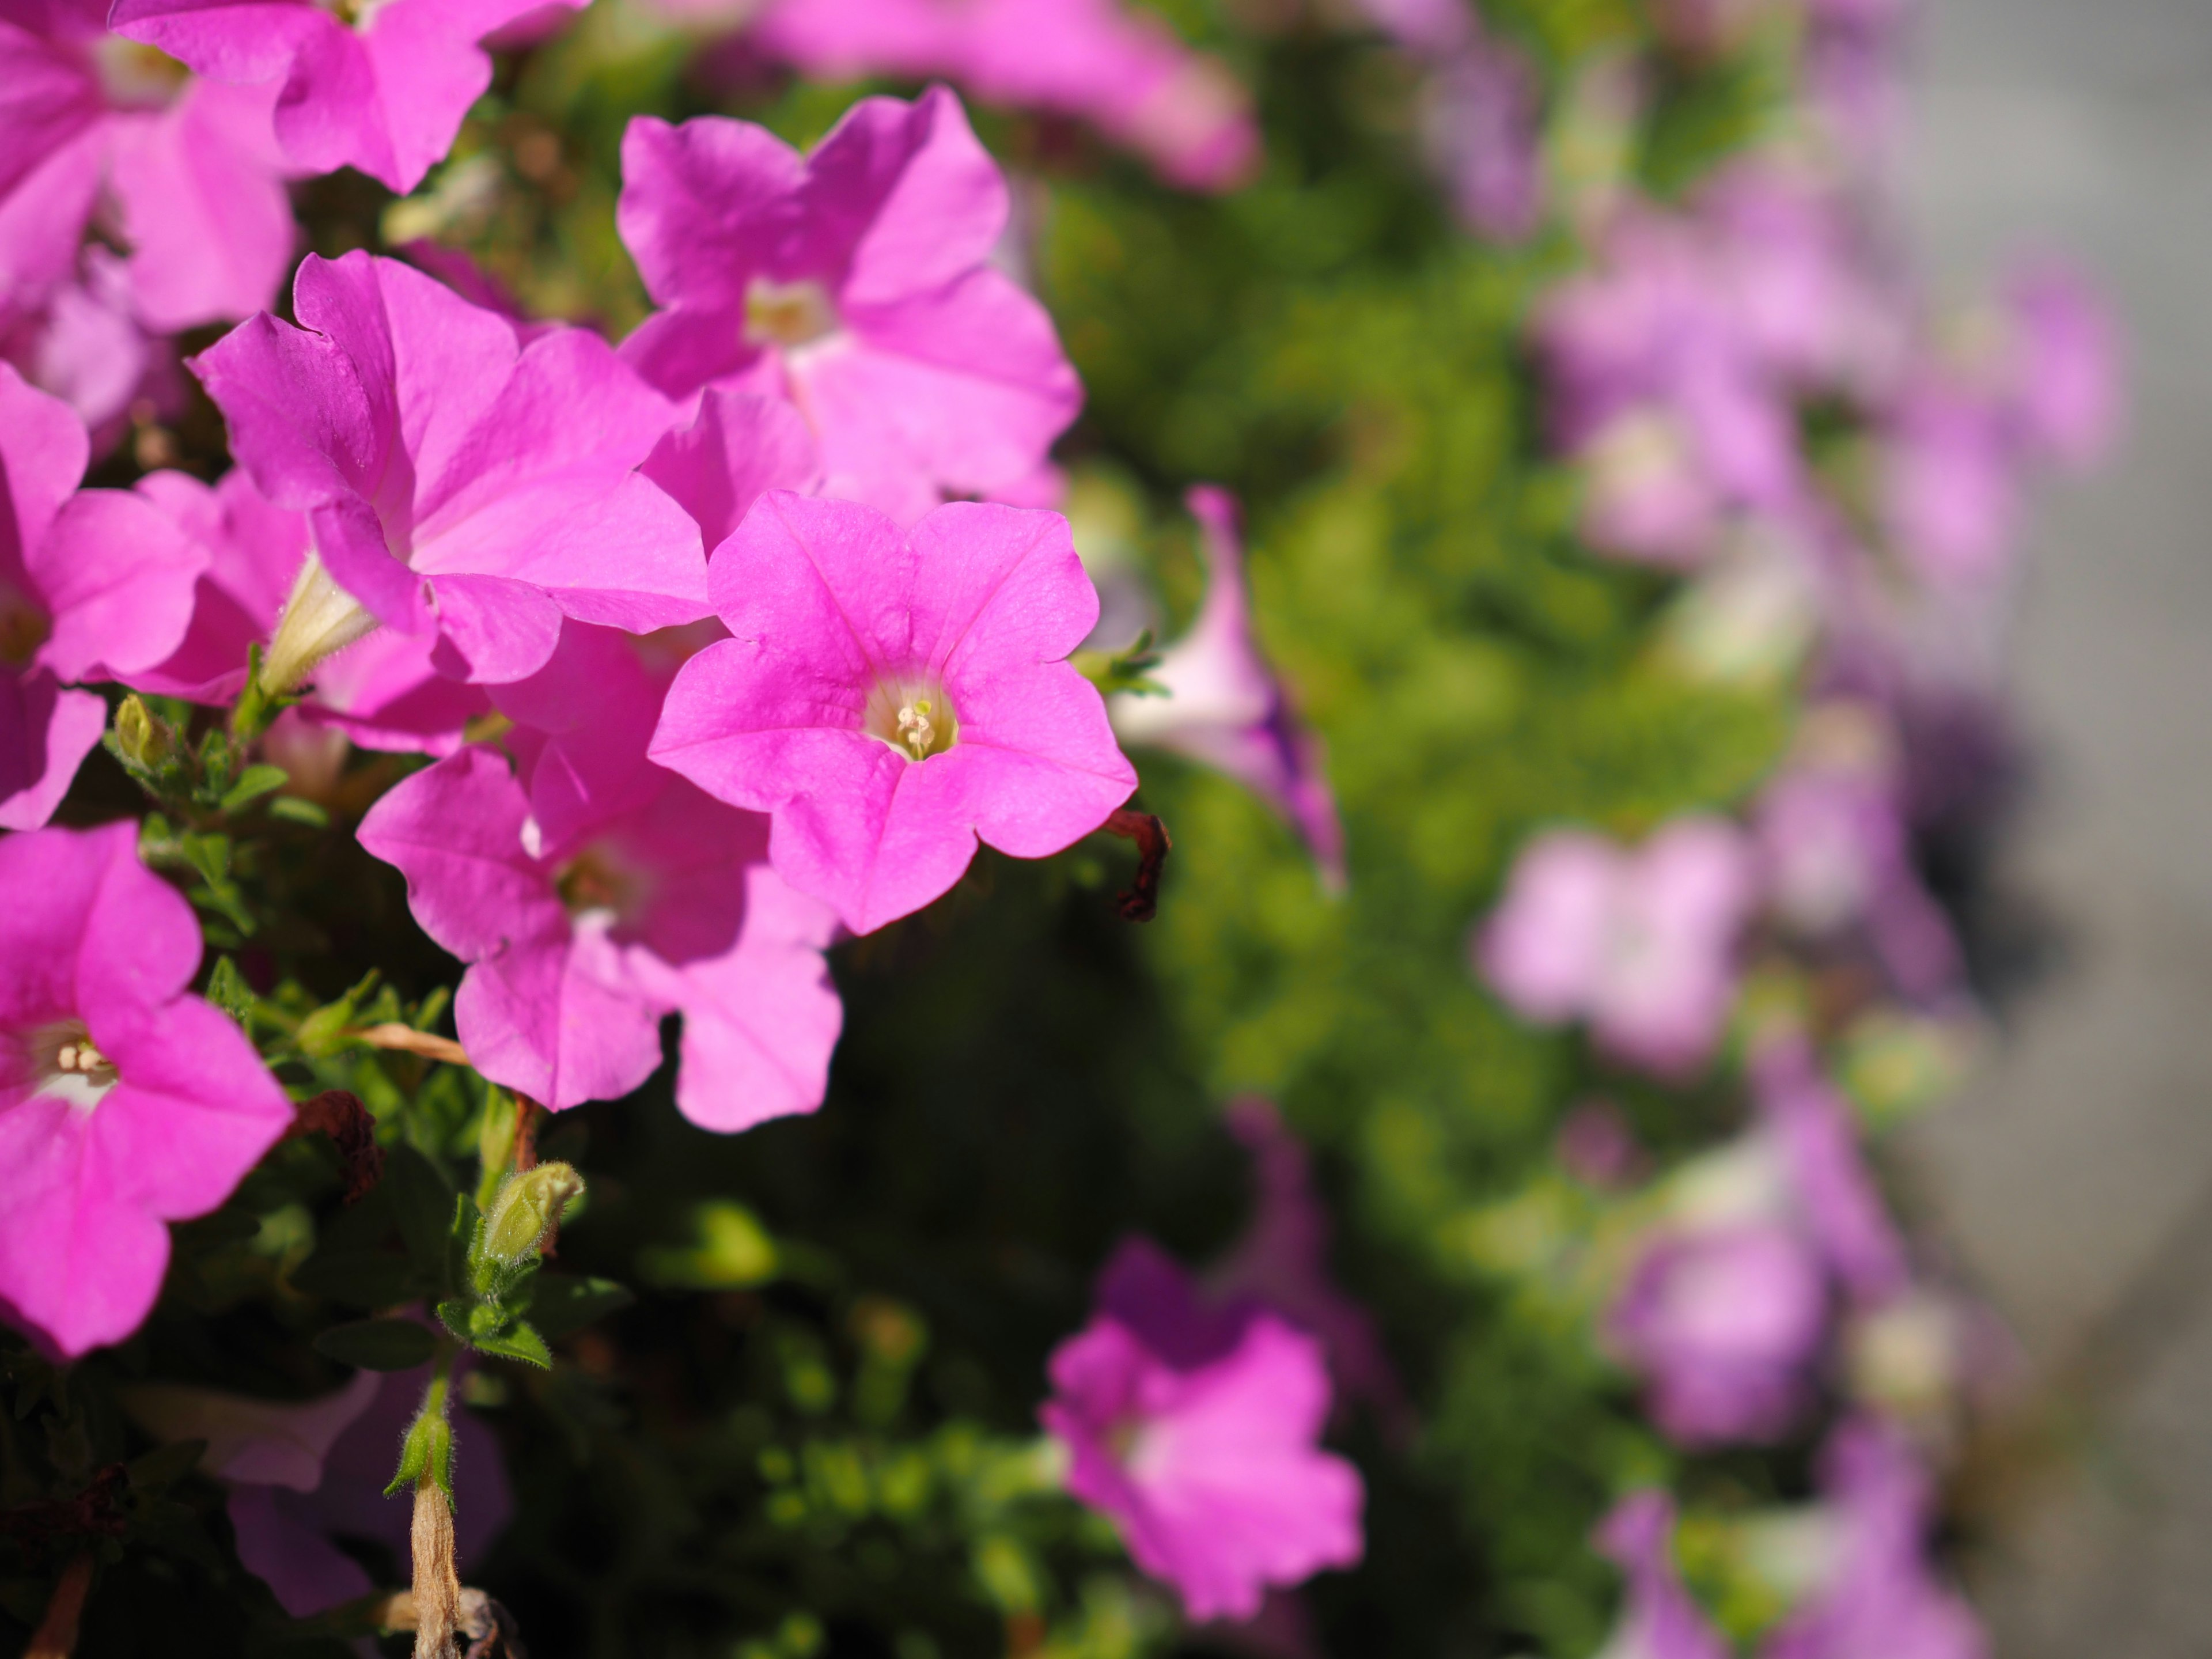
{"points": [[913, 716], [64, 1064]]}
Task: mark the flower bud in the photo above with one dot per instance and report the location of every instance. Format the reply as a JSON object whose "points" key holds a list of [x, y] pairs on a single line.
{"points": [[528, 1207], [144, 739]]}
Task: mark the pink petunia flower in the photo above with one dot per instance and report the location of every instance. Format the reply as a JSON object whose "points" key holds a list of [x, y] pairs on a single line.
{"points": [[1640, 944], [1196, 1432], [381, 691], [188, 171], [890, 700], [87, 346], [380, 85], [1100, 61], [1659, 1619], [460, 484], [592, 893], [1226, 708], [1881, 1598], [94, 584], [123, 1102], [855, 283]]}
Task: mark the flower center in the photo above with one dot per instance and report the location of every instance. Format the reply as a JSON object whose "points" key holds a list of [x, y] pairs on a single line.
{"points": [[66, 1065], [354, 13], [23, 628], [787, 313], [596, 880], [913, 716], [135, 76]]}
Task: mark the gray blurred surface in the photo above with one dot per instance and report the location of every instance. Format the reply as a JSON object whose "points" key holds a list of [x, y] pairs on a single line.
{"points": [[2074, 1180]]}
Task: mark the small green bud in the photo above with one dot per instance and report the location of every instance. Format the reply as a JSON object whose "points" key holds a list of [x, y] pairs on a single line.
{"points": [[143, 737], [427, 1454], [528, 1207]]}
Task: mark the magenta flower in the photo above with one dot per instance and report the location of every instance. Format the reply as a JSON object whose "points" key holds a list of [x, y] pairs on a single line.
{"points": [[94, 584], [189, 172], [381, 86], [1197, 1432], [889, 702], [593, 893], [1226, 708], [1659, 1619], [124, 1103], [1882, 1599], [86, 345], [855, 283], [461, 485], [2064, 365], [740, 447], [1109, 63], [1639, 944], [1481, 125], [381, 691], [1723, 1322], [1727, 1309]]}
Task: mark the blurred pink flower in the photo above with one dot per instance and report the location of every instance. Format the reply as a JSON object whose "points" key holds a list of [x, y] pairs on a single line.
{"points": [[1196, 1432], [592, 893], [94, 584], [459, 484], [381, 85], [855, 283], [381, 691], [1480, 121], [1112, 64], [123, 1102], [86, 345], [188, 169], [1641, 945], [892, 700], [1280, 1263], [2063, 365], [1226, 708], [1659, 1619], [1882, 1599]]}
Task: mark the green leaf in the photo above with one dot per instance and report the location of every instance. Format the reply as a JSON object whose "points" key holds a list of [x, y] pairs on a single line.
{"points": [[567, 1301], [359, 1279], [292, 807], [162, 1468], [227, 989], [422, 1208], [252, 784], [1128, 670], [521, 1343], [377, 1345]]}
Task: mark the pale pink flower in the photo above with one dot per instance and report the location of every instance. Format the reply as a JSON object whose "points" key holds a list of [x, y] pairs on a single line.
{"points": [[123, 1102], [1104, 62], [1197, 1432], [380, 85], [1659, 1619], [1226, 708], [892, 701], [1641, 945], [86, 345], [460, 484], [188, 171], [856, 283], [94, 584], [593, 893]]}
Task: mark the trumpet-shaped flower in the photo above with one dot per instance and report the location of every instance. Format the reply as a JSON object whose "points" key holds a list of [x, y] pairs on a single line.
{"points": [[592, 893], [888, 701], [1881, 1598], [1640, 944], [1196, 1432], [94, 584], [1100, 61], [855, 283], [1225, 706], [123, 1102], [189, 171], [1658, 1619], [460, 484], [381, 691], [380, 85]]}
